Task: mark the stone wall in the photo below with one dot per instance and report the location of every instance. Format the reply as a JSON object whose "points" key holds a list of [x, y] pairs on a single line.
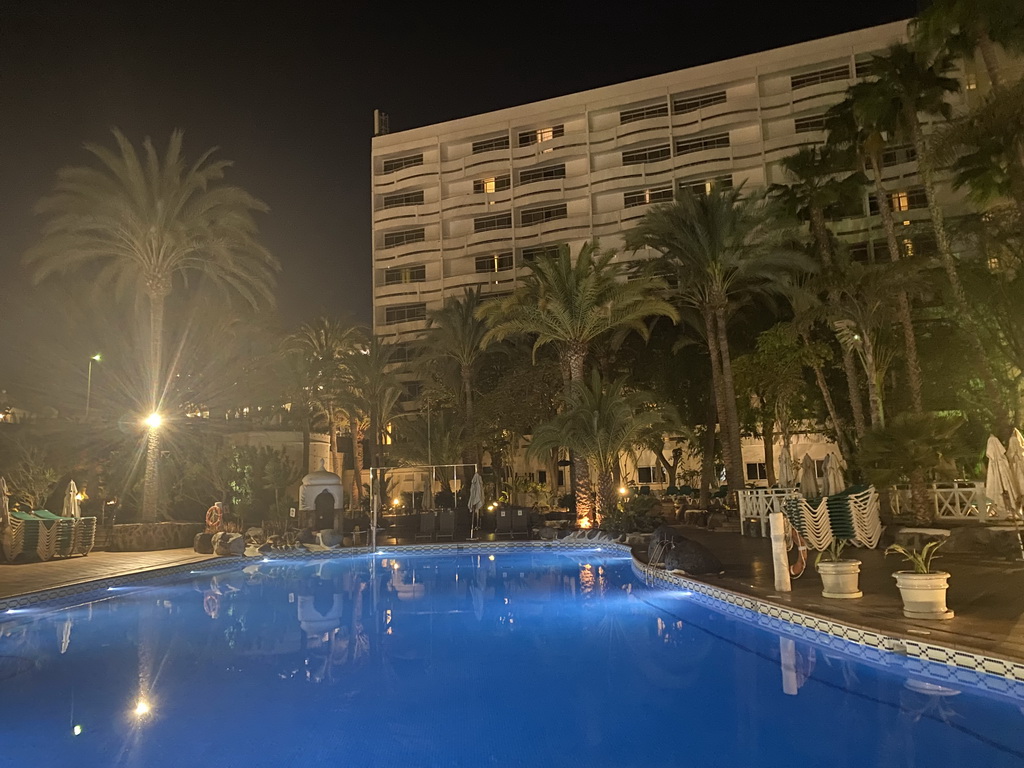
{"points": [[143, 537]]}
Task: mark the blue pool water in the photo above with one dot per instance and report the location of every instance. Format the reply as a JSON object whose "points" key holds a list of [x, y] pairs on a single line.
{"points": [[493, 658]]}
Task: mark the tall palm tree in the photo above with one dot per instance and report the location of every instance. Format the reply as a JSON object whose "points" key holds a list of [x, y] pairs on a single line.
{"points": [[376, 393], [145, 224], [721, 249], [823, 186], [327, 347], [571, 304], [600, 421], [862, 123], [910, 84]]}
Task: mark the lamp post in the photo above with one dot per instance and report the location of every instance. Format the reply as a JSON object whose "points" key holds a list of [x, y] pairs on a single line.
{"points": [[88, 385]]}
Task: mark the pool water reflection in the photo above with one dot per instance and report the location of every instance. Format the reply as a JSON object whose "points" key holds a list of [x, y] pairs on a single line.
{"points": [[504, 658]]}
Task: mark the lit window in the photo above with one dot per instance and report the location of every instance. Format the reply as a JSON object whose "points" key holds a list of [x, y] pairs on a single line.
{"points": [[492, 185], [900, 201], [972, 83]]}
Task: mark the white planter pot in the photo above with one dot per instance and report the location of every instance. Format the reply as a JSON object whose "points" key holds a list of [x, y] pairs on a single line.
{"points": [[839, 578], [924, 594]]}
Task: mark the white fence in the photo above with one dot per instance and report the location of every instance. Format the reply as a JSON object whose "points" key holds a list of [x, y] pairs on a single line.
{"points": [[959, 500]]}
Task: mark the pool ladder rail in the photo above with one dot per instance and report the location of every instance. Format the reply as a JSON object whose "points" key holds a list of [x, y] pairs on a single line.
{"points": [[656, 557]]}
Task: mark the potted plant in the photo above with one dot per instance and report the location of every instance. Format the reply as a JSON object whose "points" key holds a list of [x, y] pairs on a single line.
{"points": [[838, 577], [923, 590]]}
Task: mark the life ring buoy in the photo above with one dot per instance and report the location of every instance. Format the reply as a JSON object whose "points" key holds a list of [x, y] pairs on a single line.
{"points": [[214, 517]]}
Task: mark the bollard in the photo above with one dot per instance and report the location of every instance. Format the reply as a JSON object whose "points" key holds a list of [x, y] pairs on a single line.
{"points": [[779, 557]]}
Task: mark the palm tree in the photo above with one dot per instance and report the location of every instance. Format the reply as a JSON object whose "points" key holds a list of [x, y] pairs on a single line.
{"points": [[961, 27], [910, 85], [721, 249], [455, 336], [822, 186], [600, 421], [146, 224], [327, 347], [571, 305], [861, 123], [376, 393]]}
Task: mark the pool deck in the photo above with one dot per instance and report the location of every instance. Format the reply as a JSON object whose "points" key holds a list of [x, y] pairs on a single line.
{"points": [[987, 595]]}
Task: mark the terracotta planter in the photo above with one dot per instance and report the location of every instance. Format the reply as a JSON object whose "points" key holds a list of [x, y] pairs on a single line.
{"points": [[839, 578], [924, 594]]}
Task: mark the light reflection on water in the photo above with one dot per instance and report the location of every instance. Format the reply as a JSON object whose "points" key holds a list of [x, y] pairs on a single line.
{"points": [[524, 659]]}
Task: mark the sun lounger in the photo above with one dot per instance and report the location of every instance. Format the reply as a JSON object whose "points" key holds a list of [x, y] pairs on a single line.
{"points": [[520, 522], [427, 523], [446, 524], [64, 540], [503, 522], [27, 533]]}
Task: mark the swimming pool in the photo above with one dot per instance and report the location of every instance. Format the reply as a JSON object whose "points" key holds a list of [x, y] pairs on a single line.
{"points": [[492, 657]]}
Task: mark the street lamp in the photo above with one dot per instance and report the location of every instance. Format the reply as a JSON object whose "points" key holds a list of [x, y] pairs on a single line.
{"points": [[154, 420], [88, 385]]}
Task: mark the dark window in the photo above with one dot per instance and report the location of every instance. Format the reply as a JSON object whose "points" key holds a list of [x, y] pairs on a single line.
{"points": [[488, 223], [647, 196], [401, 352], [526, 138], [493, 184], [494, 262], [862, 68], [406, 236], [403, 198], [704, 187], [826, 75], [400, 275], [756, 471], [398, 163], [899, 155], [542, 174], [561, 478], [809, 124], [411, 390], [534, 252], [689, 146], [402, 313], [486, 145], [686, 104], [646, 155], [642, 113], [653, 474], [547, 213], [542, 476]]}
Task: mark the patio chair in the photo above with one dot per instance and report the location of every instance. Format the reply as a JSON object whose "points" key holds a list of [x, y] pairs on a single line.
{"points": [[427, 523], [503, 522], [446, 524], [64, 538], [27, 533], [520, 522]]}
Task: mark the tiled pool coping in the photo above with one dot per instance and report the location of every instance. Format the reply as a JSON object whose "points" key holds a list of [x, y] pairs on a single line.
{"points": [[933, 661]]}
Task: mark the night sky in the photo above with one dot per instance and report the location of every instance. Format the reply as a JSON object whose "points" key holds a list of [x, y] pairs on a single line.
{"points": [[288, 96]]}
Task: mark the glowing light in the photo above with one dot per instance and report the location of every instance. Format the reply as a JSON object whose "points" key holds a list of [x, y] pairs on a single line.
{"points": [[396, 502], [490, 557], [79, 497], [154, 420], [622, 490], [77, 730], [97, 357], [141, 708]]}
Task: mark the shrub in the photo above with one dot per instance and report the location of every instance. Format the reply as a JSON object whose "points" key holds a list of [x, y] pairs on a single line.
{"points": [[637, 514]]}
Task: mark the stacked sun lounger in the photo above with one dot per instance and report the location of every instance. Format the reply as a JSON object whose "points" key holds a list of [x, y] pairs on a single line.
{"points": [[45, 535]]}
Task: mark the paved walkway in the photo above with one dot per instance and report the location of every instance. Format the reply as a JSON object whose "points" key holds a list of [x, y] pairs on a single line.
{"points": [[987, 596], [18, 578]]}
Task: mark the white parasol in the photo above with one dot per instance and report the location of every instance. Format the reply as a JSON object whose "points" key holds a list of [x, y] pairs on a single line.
{"points": [[999, 484], [834, 480], [786, 475], [1015, 458], [72, 506], [808, 478], [476, 501]]}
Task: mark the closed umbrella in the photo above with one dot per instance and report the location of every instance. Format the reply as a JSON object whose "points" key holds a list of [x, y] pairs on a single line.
{"points": [[786, 473], [808, 478], [1001, 487], [72, 506], [476, 500], [5, 510], [834, 480], [1015, 458]]}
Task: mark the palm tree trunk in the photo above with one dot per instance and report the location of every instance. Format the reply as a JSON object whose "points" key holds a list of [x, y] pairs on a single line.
{"points": [[707, 466], [729, 386], [151, 484], [605, 492], [830, 406], [860, 426], [913, 362], [988, 55], [874, 392], [357, 462], [768, 436], [964, 311], [718, 386], [576, 357]]}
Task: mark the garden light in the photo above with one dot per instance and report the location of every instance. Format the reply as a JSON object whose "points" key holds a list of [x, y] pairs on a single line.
{"points": [[154, 420]]}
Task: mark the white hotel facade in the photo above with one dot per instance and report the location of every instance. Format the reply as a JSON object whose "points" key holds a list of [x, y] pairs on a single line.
{"points": [[471, 201]]}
